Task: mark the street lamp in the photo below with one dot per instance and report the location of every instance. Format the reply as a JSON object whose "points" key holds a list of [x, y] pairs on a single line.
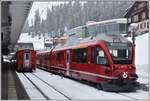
{"points": [[133, 29]]}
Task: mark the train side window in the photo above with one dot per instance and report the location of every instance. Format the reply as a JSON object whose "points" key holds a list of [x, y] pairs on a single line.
{"points": [[92, 55], [68, 57], [74, 56], [80, 55], [101, 57]]}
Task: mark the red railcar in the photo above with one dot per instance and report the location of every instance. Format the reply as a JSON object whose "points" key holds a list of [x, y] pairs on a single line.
{"points": [[95, 62], [26, 60], [107, 60]]}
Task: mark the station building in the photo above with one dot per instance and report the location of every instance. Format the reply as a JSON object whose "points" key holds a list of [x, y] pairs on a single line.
{"points": [[138, 13]]}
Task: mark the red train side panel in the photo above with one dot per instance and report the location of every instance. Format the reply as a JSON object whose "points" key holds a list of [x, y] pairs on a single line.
{"points": [[26, 60]]}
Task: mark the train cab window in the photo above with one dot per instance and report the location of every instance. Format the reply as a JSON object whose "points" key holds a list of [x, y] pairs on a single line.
{"points": [[27, 56], [101, 57], [120, 56]]}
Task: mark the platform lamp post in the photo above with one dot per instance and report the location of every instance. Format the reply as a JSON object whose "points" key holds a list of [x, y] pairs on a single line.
{"points": [[133, 29]]}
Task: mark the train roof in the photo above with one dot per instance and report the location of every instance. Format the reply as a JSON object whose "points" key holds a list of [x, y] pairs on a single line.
{"points": [[82, 43], [44, 51], [25, 49]]}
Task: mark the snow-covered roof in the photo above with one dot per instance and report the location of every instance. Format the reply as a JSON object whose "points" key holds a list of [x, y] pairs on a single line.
{"points": [[127, 10], [119, 20]]}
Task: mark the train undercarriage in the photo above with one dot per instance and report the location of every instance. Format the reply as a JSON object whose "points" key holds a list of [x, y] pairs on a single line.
{"points": [[120, 85]]}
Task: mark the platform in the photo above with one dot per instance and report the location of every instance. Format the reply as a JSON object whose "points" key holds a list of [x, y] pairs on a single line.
{"points": [[11, 85]]}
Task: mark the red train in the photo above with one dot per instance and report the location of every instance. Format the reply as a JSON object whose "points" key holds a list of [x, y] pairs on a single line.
{"points": [[106, 60], [26, 60]]}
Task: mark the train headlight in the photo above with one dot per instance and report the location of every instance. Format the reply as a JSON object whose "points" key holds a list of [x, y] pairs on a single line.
{"points": [[125, 75]]}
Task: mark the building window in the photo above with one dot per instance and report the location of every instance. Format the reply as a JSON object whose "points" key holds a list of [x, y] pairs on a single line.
{"points": [[141, 5], [129, 20], [138, 26], [144, 24], [135, 18], [143, 15], [135, 8], [141, 25], [147, 24]]}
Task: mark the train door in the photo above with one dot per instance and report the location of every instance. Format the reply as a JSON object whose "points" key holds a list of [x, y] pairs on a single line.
{"points": [[67, 62], [27, 59]]}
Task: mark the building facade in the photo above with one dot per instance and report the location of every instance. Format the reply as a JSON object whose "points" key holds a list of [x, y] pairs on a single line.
{"points": [[139, 13]]}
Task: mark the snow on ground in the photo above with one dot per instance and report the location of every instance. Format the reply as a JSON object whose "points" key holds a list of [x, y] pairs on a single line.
{"points": [[32, 92], [141, 50], [141, 57], [76, 90], [51, 93], [142, 72]]}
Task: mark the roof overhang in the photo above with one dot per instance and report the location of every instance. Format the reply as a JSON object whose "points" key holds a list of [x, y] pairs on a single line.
{"points": [[19, 11]]}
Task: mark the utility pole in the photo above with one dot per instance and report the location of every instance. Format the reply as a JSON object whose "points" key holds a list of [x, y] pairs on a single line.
{"points": [[44, 40]]}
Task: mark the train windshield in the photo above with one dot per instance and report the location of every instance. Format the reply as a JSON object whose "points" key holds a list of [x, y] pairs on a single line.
{"points": [[27, 56], [121, 55]]}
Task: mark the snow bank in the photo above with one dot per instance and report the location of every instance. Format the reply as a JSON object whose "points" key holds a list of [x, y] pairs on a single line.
{"points": [[141, 57], [141, 50]]}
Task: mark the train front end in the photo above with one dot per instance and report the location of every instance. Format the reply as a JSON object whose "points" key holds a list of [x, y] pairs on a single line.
{"points": [[121, 55]]}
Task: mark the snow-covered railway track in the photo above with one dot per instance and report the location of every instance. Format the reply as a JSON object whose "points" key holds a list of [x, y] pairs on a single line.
{"points": [[45, 96], [47, 90], [126, 95], [130, 97], [55, 80], [57, 87], [53, 87], [31, 90]]}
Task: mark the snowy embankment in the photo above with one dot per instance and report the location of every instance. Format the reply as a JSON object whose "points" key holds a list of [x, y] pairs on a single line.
{"points": [[141, 57]]}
